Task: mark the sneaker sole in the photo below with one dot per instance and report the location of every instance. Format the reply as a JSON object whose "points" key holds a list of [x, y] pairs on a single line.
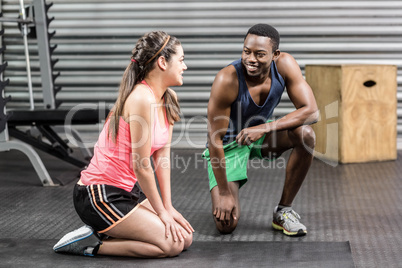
{"points": [[286, 232], [71, 240]]}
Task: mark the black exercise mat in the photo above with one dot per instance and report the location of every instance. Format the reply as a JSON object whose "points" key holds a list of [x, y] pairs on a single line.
{"points": [[39, 253]]}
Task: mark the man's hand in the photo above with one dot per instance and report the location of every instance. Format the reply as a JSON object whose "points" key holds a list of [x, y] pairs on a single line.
{"points": [[226, 209], [251, 134]]}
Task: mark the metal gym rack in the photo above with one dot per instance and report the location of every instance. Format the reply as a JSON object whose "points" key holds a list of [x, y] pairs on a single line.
{"points": [[48, 121]]}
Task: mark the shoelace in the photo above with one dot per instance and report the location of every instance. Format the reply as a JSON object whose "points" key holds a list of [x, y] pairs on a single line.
{"points": [[291, 215]]}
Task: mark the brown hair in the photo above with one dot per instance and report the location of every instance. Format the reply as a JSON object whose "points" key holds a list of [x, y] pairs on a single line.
{"points": [[144, 55]]}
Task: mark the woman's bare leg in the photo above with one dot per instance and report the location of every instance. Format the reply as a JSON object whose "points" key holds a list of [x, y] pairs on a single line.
{"points": [[142, 234], [188, 240]]}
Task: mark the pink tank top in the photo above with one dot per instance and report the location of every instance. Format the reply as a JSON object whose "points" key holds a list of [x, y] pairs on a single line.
{"points": [[112, 163]]}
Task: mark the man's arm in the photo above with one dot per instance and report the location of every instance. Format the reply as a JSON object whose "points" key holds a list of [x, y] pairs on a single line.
{"points": [[223, 93], [300, 94]]}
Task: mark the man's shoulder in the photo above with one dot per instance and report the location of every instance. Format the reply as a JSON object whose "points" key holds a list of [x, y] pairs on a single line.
{"points": [[225, 86], [227, 83], [227, 75], [285, 63], [283, 59]]}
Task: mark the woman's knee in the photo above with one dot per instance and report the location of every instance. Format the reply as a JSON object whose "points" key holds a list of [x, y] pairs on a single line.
{"points": [[303, 135], [175, 248], [188, 241], [171, 248]]}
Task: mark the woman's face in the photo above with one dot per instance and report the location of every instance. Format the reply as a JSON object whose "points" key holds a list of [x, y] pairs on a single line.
{"points": [[176, 67]]}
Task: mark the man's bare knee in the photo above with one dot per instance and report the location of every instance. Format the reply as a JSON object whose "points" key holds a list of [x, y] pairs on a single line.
{"points": [[304, 136]]}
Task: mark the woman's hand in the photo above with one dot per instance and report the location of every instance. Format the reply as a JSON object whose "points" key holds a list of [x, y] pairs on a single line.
{"points": [[172, 226], [181, 220]]}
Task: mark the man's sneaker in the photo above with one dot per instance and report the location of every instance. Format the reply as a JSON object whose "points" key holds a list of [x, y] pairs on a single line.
{"points": [[83, 241], [287, 220]]}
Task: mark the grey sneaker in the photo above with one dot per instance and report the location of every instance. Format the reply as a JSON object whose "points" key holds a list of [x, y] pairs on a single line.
{"points": [[287, 220], [83, 241]]}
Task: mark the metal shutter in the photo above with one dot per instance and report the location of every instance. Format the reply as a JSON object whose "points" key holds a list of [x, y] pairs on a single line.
{"points": [[95, 38]]}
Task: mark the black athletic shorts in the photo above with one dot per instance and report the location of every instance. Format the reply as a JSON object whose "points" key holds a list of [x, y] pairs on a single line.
{"points": [[103, 206]]}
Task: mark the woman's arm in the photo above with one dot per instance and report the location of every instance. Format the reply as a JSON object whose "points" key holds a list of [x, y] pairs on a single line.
{"points": [[138, 112], [162, 165]]}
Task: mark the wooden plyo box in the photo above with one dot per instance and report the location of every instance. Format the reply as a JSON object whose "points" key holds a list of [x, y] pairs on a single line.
{"points": [[358, 115]]}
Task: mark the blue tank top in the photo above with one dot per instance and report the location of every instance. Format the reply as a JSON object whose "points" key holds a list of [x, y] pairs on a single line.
{"points": [[244, 111]]}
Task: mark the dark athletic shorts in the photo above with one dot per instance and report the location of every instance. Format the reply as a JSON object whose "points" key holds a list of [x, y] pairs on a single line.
{"points": [[104, 206]]}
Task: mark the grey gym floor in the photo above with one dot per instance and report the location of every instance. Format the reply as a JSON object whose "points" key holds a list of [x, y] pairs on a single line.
{"points": [[359, 203]]}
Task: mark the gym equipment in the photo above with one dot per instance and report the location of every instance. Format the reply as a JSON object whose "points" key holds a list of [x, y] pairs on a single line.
{"points": [[43, 123], [233, 254], [358, 106]]}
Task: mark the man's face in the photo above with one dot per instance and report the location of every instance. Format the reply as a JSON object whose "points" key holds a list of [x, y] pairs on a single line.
{"points": [[257, 55]]}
